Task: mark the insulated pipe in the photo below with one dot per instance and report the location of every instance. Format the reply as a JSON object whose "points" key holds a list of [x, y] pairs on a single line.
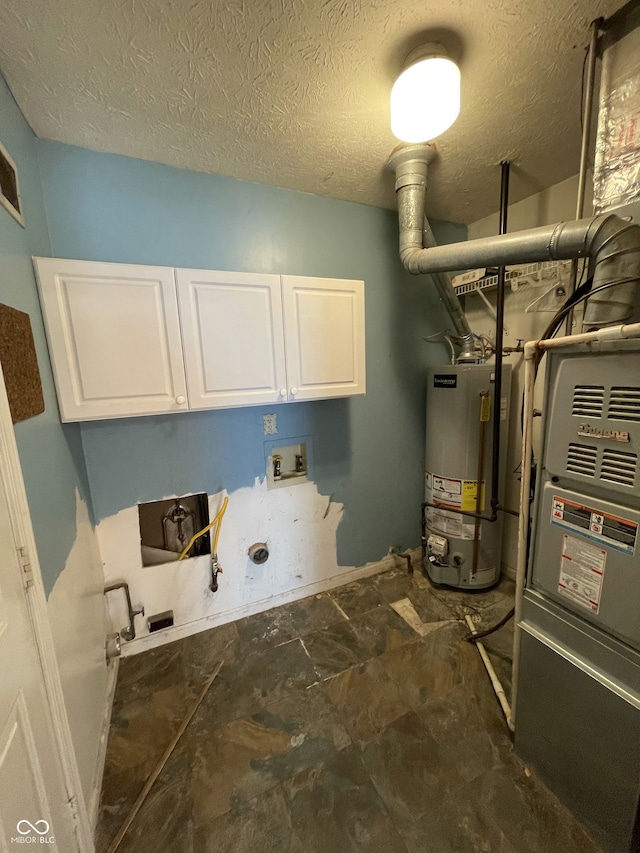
{"points": [[612, 333]]}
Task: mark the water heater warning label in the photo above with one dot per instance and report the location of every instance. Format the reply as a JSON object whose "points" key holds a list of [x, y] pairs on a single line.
{"points": [[445, 494], [619, 533], [453, 494], [581, 572]]}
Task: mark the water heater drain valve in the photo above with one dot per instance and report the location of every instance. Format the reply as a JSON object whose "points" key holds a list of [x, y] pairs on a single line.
{"points": [[438, 546]]}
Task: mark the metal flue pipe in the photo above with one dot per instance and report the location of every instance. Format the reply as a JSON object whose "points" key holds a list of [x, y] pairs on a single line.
{"points": [[411, 174], [450, 300], [562, 241], [613, 243]]}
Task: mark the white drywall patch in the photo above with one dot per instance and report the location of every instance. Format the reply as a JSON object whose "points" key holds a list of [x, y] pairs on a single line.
{"points": [[297, 523]]}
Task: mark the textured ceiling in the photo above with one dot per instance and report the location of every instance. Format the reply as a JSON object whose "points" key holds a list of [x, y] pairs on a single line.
{"points": [[294, 93]]}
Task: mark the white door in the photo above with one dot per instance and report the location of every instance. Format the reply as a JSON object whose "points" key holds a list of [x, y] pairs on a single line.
{"points": [[324, 335], [114, 338], [232, 338], [34, 807]]}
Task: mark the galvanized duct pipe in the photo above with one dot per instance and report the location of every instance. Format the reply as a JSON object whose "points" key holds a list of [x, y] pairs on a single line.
{"points": [[617, 258], [411, 175], [613, 243], [450, 300]]}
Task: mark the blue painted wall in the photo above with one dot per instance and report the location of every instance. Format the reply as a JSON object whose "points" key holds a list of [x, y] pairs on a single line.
{"points": [[50, 454], [367, 451]]}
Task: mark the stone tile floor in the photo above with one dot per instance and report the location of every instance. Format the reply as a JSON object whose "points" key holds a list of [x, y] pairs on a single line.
{"points": [[333, 727]]}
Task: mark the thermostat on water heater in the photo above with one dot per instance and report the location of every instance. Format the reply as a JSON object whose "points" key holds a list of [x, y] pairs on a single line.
{"points": [[438, 545]]}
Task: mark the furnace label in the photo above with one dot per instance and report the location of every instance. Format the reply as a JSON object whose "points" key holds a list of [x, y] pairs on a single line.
{"points": [[581, 572], [619, 533]]}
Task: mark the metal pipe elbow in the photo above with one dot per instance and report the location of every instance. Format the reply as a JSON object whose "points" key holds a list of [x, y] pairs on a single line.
{"points": [[614, 245], [410, 257]]}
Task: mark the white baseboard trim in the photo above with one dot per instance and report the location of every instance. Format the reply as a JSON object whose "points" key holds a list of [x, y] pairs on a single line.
{"points": [[178, 632], [93, 805]]}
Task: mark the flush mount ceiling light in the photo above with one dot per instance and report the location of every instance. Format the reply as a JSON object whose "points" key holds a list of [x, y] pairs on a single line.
{"points": [[425, 99]]}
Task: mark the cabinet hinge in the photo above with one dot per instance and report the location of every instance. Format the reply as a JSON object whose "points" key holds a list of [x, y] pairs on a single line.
{"points": [[25, 565]]}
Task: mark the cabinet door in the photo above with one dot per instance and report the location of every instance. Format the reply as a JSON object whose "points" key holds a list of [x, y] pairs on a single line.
{"points": [[324, 335], [114, 338], [232, 337]]}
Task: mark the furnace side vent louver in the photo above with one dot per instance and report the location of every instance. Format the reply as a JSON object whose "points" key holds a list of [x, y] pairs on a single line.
{"points": [[619, 467], [588, 401], [624, 404], [581, 459]]}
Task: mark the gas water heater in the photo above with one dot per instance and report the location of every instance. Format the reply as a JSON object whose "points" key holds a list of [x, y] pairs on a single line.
{"points": [[461, 551]]}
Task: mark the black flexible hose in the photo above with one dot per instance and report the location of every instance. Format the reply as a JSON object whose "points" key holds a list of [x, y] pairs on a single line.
{"points": [[480, 634]]}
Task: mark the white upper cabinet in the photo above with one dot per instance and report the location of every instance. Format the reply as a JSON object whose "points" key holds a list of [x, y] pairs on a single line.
{"points": [[114, 338], [324, 337], [232, 338], [136, 340]]}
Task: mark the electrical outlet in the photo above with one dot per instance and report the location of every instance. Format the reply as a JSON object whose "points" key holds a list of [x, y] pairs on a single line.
{"points": [[270, 424]]}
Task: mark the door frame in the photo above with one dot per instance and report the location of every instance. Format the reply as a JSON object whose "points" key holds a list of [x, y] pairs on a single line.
{"points": [[11, 472]]}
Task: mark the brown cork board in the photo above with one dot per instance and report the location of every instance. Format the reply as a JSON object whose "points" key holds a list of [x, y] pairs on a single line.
{"points": [[20, 365]]}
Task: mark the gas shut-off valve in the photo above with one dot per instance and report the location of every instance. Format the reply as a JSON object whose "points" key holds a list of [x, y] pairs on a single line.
{"points": [[437, 546]]}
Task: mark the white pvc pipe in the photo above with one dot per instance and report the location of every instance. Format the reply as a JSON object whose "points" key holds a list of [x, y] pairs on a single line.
{"points": [[530, 349], [495, 681], [610, 333]]}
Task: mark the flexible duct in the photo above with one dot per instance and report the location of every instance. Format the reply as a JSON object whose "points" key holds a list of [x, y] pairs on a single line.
{"points": [[613, 243]]}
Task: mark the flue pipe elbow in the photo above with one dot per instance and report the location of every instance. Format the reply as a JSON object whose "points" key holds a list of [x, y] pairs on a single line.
{"points": [[616, 252], [410, 164], [410, 257]]}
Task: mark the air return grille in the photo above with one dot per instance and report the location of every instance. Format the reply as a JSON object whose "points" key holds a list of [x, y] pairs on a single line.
{"points": [[619, 466], [588, 400], [624, 404], [581, 459]]}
